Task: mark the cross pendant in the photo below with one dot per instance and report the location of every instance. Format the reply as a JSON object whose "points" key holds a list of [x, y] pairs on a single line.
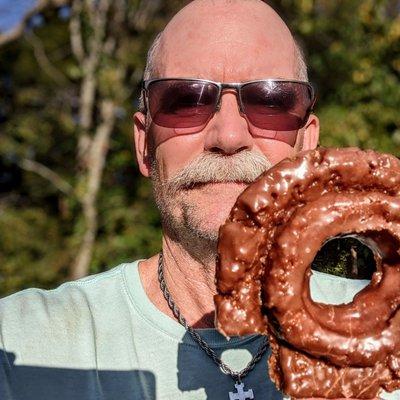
{"points": [[241, 394]]}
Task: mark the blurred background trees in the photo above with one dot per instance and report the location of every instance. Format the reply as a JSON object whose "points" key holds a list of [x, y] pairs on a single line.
{"points": [[71, 199]]}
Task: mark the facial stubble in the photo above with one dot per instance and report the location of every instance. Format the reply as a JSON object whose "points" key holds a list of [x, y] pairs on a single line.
{"points": [[182, 220]]}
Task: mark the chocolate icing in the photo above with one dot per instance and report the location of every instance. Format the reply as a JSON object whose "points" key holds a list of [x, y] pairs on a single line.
{"points": [[265, 250]]}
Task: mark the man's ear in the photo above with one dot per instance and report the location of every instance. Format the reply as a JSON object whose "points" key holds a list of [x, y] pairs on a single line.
{"points": [[141, 143], [311, 133]]}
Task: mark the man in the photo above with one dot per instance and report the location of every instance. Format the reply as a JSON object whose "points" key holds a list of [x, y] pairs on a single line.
{"points": [[114, 335]]}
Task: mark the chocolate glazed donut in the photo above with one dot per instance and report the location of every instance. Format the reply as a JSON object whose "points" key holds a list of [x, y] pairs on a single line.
{"points": [[266, 247]]}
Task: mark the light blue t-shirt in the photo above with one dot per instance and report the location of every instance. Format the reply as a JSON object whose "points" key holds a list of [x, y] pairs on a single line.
{"points": [[101, 338]]}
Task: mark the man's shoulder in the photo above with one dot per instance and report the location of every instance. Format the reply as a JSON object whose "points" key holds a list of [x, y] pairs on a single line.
{"points": [[60, 326], [72, 298]]}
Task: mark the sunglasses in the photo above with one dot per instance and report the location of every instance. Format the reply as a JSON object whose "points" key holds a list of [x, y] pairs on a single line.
{"points": [[271, 106]]}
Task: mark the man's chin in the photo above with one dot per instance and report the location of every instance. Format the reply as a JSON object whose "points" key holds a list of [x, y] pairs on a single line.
{"points": [[206, 223], [207, 206], [203, 208]]}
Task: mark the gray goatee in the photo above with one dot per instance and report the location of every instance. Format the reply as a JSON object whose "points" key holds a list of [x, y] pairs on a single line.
{"points": [[242, 167]]}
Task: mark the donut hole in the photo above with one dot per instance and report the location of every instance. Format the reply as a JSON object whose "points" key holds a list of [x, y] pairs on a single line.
{"points": [[341, 269]]}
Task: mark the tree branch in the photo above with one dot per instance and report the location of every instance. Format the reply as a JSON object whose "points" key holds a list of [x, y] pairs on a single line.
{"points": [[90, 10], [90, 64], [75, 29], [43, 60], [140, 19], [97, 158], [46, 173]]}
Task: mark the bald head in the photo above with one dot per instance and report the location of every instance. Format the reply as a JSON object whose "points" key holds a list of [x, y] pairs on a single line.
{"points": [[213, 22], [210, 28]]}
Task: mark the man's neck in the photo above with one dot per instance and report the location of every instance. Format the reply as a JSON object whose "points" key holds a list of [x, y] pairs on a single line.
{"points": [[190, 283]]}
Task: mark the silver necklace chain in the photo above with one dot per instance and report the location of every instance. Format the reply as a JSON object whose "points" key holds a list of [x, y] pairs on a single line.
{"points": [[235, 375]]}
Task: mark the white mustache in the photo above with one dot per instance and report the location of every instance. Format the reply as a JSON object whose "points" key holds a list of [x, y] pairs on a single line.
{"points": [[245, 167]]}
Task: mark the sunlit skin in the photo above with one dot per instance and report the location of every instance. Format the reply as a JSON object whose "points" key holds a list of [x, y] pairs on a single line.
{"points": [[233, 42], [218, 45]]}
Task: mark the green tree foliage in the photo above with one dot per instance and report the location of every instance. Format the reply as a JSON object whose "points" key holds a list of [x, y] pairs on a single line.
{"points": [[353, 49], [48, 139], [50, 143]]}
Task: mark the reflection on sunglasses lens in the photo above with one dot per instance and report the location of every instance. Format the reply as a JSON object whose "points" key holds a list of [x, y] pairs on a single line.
{"points": [[269, 105]]}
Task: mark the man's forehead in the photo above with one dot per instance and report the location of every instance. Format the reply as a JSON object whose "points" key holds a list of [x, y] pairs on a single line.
{"points": [[240, 42], [231, 62]]}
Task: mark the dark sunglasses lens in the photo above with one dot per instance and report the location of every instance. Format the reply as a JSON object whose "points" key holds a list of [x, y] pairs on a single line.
{"points": [[182, 104], [277, 105]]}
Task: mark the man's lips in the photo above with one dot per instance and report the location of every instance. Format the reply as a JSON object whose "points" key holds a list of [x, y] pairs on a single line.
{"points": [[218, 184]]}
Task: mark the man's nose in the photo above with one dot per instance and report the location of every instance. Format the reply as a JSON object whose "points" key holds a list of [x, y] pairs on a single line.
{"points": [[228, 132]]}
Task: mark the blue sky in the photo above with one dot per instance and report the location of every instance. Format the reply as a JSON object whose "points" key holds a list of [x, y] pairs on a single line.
{"points": [[11, 12]]}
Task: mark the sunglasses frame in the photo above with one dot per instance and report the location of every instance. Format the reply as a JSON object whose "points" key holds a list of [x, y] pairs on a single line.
{"points": [[237, 86]]}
